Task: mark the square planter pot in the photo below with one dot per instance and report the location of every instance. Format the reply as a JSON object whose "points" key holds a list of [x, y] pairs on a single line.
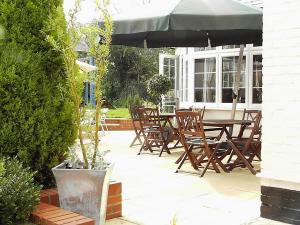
{"points": [[83, 191]]}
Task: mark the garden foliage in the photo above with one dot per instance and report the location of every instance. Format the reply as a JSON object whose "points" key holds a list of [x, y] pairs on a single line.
{"points": [[18, 194], [157, 86], [36, 118], [128, 73]]}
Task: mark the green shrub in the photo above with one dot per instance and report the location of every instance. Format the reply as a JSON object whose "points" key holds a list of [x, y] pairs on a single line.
{"points": [[18, 194], [36, 117], [158, 85]]}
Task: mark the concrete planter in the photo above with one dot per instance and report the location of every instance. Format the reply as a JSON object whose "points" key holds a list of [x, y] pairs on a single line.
{"points": [[83, 191]]}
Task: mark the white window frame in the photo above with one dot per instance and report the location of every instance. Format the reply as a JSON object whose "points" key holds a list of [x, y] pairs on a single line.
{"points": [[251, 54], [229, 105], [162, 56], [219, 53], [206, 57]]}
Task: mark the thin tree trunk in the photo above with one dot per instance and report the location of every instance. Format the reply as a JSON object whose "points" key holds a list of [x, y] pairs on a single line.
{"points": [[237, 85]]}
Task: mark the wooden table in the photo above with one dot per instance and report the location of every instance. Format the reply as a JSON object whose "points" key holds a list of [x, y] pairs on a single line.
{"points": [[224, 124]]}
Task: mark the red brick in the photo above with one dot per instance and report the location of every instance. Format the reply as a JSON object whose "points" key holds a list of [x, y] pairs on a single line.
{"points": [[69, 220], [44, 198], [50, 215], [82, 222], [51, 196], [43, 206], [113, 215], [115, 188], [115, 199], [64, 217], [114, 209]]}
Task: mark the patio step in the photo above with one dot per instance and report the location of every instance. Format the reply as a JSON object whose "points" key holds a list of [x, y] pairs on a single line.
{"points": [[47, 214]]}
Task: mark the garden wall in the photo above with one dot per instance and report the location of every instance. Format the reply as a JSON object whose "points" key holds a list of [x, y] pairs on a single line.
{"points": [[119, 124]]}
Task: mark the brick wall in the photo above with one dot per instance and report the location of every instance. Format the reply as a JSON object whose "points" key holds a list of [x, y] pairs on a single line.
{"points": [[119, 124], [281, 94], [114, 199]]}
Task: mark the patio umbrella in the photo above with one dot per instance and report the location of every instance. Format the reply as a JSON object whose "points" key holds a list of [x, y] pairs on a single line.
{"points": [[188, 23], [191, 23], [85, 67]]}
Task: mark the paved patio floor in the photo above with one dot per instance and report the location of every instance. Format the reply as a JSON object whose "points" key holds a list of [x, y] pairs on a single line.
{"points": [[153, 194]]}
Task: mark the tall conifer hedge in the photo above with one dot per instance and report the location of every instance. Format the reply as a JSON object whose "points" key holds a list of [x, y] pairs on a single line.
{"points": [[36, 120]]}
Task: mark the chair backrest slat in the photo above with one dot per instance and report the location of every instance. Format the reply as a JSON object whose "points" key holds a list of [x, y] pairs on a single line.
{"points": [[134, 112], [190, 124], [255, 129], [149, 117]]}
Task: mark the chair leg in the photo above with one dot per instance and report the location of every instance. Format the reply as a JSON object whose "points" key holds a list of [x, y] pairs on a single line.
{"points": [[180, 158], [230, 157], [165, 146], [181, 163], [140, 151], [134, 140], [208, 162], [242, 158], [137, 137]]}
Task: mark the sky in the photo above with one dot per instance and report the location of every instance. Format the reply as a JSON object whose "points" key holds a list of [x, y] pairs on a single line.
{"points": [[88, 12], [120, 8]]}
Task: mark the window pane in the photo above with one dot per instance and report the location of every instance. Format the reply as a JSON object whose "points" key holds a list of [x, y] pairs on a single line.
{"points": [[173, 83], [205, 80], [257, 95], [229, 73], [230, 46], [199, 80], [211, 80], [210, 95], [257, 79], [199, 65], [172, 72], [231, 63], [227, 95], [172, 62], [166, 70], [199, 95], [198, 49], [210, 64], [166, 62]]}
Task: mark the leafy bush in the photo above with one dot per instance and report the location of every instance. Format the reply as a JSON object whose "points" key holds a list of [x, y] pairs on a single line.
{"points": [[157, 86], [36, 118], [129, 70], [18, 194]]}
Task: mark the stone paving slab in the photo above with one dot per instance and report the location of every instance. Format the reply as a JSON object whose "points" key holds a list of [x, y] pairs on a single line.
{"points": [[153, 194]]}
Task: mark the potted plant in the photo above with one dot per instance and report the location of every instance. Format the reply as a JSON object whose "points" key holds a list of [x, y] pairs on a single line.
{"points": [[158, 86], [83, 182]]}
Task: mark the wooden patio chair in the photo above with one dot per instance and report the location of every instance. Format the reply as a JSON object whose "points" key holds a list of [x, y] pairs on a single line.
{"points": [[176, 130], [193, 138], [135, 123], [155, 135], [246, 148], [249, 114]]}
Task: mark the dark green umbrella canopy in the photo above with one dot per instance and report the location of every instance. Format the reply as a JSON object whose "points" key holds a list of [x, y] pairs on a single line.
{"points": [[189, 23]]}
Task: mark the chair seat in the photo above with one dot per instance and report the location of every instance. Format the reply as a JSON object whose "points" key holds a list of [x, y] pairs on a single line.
{"points": [[244, 140], [199, 142]]}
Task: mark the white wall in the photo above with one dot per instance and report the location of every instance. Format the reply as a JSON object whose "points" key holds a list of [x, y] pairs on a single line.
{"points": [[281, 94]]}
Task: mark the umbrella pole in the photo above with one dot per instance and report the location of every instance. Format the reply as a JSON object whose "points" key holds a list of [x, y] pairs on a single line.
{"points": [[237, 85]]}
